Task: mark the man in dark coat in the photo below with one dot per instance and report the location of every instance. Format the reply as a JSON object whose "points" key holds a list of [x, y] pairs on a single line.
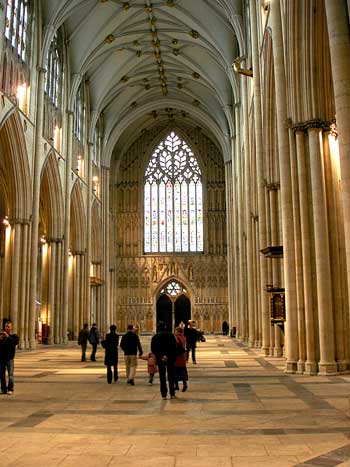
{"points": [[110, 344], [94, 339], [8, 343], [83, 340], [191, 339], [130, 343], [163, 345]]}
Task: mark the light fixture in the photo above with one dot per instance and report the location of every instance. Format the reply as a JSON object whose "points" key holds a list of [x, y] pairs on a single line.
{"points": [[242, 71], [43, 239], [6, 221]]}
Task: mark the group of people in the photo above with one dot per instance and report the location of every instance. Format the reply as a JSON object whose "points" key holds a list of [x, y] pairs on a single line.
{"points": [[168, 355]]}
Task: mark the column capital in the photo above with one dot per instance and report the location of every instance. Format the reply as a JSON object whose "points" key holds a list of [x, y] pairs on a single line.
{"points": [[313, 124]]}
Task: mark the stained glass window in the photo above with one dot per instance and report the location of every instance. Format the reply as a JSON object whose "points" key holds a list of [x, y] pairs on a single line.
{"points": [[173, 289], [173, 200], [53, 76], [16, 25]]}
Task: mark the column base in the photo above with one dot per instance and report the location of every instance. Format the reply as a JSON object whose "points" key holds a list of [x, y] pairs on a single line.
{"points": [[300, 368], [327, 368], [266, 351], [32, 344], [50, 340], [291, 367], [310, 368], [277, 352], [342, 366], [251, 344]]}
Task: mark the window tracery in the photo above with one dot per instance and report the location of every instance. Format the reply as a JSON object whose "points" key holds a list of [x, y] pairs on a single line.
{"points": [[173, 199], [16, 26]]}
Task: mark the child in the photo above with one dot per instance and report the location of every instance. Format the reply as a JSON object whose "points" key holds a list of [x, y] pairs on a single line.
{"points": [[151, 366]]}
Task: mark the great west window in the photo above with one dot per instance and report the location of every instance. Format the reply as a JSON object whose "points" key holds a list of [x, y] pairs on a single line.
{"points": [[173, 199]]}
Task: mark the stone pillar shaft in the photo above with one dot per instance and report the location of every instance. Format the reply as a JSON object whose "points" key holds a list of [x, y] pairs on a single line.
{"points": [[35, 205], [339, 43], [310, 364], [291, 336], [323, 271]]}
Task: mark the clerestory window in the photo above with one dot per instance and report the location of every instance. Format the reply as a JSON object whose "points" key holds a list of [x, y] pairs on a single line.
{"points": [[173, 199], [16, 25], [53, 77]]}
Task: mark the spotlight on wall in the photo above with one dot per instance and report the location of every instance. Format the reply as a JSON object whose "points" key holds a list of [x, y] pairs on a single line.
{"points": [[43, 239], [6, 221]]}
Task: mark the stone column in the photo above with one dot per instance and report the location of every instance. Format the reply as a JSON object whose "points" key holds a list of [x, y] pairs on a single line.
{"points": [[323, 271], [87, 311], [105, 231], [68, 180], [16, 258], [228, 184], [58, 294], [339, 43], [36, 203], [310, 364], [335, 216], [298, 254], [23, 296], [260, 175], [52, 286], [76, 304], [291, 336], [247, 220]]}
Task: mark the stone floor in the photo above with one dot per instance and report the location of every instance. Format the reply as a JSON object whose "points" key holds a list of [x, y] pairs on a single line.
{"points": [[240, 410]]}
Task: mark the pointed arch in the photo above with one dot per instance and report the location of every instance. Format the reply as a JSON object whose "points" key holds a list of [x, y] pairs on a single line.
{"points": [[51, 199], [77, 238], [15, 177]]}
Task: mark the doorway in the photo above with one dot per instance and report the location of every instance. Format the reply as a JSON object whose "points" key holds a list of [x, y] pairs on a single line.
{"points": [[164, 312], [182, 310]]}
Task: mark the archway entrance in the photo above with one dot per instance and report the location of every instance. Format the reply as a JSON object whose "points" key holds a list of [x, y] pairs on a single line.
{"points": [[164, 311], [182, 310], [173, 305]]}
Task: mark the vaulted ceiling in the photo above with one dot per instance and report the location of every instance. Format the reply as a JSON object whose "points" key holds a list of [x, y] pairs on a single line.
{"points": [[147, 62]]}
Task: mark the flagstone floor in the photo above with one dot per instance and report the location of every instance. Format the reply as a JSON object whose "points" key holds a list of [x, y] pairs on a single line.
{"points": [[240, 410]]}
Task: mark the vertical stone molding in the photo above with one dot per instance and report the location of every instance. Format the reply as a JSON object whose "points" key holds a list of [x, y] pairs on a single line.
{"points": [[339, 43], [67, 203], [306, 243], [324, 282], [286, 190], [36, 201]]}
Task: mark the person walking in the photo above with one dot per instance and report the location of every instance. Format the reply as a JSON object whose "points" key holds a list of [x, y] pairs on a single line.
{"points": [[163, 345], [83, 340], [8, 343], [225, 328], [180, 361], [110, 344], [151, 366], [191, 339], [130, 343], [94, 339]]}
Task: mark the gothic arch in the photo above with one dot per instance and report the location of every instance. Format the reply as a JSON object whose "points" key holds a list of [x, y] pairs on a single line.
{"points": [[51, 199], [182, 135], [15, 178], [78, 220]]}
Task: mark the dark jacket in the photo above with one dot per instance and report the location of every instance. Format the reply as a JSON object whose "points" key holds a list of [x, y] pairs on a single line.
{"points": [[130, 343], [164, 343], [8, 347], [191, 337], [83, 336], [110, 344], [94, 336]]}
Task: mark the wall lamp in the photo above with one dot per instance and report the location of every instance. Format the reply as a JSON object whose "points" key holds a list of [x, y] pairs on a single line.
{"points": [[242, 71]]}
